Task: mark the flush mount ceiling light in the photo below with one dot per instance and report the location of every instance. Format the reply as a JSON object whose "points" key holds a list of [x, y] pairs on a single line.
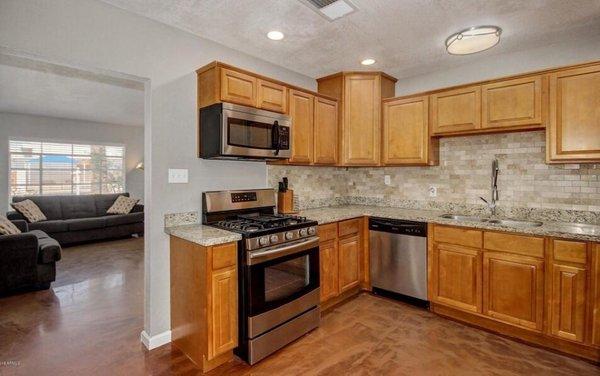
{"points": [[275, 35], [368, 62], [472, 40]]}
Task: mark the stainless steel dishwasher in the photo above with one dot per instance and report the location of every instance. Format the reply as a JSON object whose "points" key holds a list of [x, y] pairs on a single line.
{"points": [[399, 258]]}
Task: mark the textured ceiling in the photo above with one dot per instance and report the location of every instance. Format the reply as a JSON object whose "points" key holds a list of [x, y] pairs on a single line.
{"points": [[44, 89], [405, 36]]}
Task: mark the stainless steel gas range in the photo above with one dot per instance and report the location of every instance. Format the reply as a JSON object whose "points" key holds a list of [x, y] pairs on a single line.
{"points": [[278, 269]]}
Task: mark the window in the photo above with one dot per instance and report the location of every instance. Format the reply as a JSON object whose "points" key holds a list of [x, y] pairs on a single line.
{"points": [[51, 168]]}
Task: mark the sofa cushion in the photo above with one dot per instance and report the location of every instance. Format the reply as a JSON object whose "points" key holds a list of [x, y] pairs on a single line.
{"points": [[30, 210], [49, 205], [49, 250], [51, 227], [7, 227], [78, 224], [122, 205], [124, 219], [105, 201], [83, 206]]}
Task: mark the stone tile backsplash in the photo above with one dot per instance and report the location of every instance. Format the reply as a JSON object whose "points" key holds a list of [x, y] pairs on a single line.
{"points": [[526, 183]]}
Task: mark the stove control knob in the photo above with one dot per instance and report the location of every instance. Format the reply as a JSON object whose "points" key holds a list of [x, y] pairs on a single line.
{"points": [[274, 238], [264, 240], [289, 235], [303, 232], [311, 231]]}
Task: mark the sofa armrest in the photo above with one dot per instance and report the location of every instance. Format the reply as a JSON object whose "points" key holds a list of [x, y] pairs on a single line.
{"points": [[15, 215], [21, 224], [18, 246], [137, 208]]}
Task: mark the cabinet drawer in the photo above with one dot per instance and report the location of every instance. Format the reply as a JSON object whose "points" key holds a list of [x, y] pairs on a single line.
{"points": [[458, 236], [328, 232], [224, 255], [349, 227], [518, 244], [569, 251]]}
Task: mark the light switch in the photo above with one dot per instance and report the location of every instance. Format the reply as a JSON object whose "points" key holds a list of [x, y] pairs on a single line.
{"points": [[387, 180], [178, 175]]}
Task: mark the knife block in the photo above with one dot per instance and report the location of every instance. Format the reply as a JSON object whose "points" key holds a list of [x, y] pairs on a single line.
{"points": [[285, 202]]}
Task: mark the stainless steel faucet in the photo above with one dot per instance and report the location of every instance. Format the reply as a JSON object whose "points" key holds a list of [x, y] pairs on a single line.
{"points": [[492, 203]]}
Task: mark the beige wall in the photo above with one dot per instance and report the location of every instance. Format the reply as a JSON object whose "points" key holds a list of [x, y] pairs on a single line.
{"points": [[462, 176]]}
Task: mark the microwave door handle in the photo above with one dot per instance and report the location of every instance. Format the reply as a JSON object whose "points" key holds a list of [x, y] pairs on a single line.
{"points": [[275, 137]]}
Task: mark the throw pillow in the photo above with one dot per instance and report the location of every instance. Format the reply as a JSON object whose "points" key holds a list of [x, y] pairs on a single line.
{"points": [[29, 210], [122, 205], [7, 227]]}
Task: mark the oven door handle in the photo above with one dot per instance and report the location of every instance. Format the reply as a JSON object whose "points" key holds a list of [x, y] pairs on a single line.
{"points": [[258, 257]]}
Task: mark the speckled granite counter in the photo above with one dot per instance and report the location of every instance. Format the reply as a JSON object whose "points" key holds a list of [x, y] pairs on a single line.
{"points": [[203, 235], [340, 213]]}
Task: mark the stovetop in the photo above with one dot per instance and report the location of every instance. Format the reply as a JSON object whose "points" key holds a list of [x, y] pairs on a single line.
{"points": [[256, 224]]}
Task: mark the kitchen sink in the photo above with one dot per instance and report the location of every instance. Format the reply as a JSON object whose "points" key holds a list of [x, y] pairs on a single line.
{"points": [[514, 223], [467, 218]]}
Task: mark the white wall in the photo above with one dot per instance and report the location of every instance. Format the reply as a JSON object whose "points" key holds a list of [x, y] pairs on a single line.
{"points": [[586, 48], [94, 34], [14, 126]]}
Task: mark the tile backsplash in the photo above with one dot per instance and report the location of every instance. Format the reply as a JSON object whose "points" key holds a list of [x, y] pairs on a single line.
{"points": [[525, 181]]}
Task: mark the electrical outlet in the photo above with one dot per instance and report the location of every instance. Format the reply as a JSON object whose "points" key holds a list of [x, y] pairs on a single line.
{"points": [[178, 175], [432, 191], [387, 180]]}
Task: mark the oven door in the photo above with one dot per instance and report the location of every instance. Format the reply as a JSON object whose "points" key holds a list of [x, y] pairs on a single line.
{"points": [[282, 282], [254, 134]]}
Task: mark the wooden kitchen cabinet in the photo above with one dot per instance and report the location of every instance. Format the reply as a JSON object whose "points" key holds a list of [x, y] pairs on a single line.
{"points": [[514, 103], [302, 114], [573, 134], [406, 136], [456, 276], [349, 262], [329, 275], [204, 301], [325, 131], [456, 110], [359, 95], [594, 295], [271, 96], [237, 87]]}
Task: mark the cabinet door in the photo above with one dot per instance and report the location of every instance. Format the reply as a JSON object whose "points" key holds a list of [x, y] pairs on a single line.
{"points": [[567, 302], [361, 126], [513, 289], [406, 131], [328, 258], [301, 112], [326, 131], [594, 299], [512, 103], [349, 262], [272, 96], [456, 276], [222, 312], [574, 130], [238, 87], [456, 110]]}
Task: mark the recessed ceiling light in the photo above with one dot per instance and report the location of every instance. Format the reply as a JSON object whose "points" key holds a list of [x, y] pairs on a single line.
{"points": [[473, 39], [368, 62], [275, 35]]}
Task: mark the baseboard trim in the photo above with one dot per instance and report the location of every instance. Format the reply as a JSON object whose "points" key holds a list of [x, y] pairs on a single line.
{"points": [[155, 341]]}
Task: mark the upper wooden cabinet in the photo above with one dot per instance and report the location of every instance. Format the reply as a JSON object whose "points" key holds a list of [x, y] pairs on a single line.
{"points": [[325, 131], [271, 96], [406, 139], [456, 110], [574, 129], [238, 87], [302, 114], [360, 95], [512, 103]]}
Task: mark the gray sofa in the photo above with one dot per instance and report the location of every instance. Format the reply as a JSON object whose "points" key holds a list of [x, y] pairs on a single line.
{"points": [[77, 219], [28, 260]]}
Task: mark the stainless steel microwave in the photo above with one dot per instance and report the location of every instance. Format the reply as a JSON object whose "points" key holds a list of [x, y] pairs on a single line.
{"points": [[231, 131]]}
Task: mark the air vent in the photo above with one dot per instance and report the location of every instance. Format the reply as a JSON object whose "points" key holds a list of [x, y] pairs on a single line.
{"points": [[331, 9]]}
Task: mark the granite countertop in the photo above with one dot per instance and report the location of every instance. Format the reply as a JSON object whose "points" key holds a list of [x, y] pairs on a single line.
{"points": [[203, 235], [340, 213]]}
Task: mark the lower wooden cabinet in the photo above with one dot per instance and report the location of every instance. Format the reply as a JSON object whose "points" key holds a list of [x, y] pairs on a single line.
{"points": [[456, 276], [328, 259], [349, 264], [542, 290], [513, 289], [204, 301]]}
